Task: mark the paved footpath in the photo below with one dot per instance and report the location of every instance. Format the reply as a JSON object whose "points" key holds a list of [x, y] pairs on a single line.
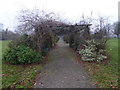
{"points": [[62, 71]]}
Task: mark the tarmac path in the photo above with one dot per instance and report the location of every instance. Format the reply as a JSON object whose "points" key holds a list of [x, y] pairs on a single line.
{"points": [[62, 71]]}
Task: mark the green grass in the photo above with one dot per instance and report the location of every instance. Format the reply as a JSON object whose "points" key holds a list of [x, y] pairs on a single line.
{"points": [[112, 47], [18, 76], [105, 75], [3, 46]]}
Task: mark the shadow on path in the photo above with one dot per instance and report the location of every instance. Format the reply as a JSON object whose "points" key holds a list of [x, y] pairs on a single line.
{"points": [[62, 71]]}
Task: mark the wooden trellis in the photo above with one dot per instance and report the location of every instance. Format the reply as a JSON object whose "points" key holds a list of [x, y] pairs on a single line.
{"points": [[73, 29]]}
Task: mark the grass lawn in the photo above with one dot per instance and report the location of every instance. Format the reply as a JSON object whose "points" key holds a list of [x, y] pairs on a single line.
{"points": [[3, 46], [18, 76], [105, 75]]}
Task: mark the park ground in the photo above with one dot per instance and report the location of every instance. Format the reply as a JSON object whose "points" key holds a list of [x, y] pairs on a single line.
{"points": [[104, 75], [63, 71]]}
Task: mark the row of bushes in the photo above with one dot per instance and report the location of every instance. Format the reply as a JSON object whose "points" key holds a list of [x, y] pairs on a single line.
{"points": [[22, 55], [89, 49], [89, 52], [23, 51]]}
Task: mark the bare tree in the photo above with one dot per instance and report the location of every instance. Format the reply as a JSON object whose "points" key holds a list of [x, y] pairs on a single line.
{"points": [[102, 26], [86, 20], [40, 25]]}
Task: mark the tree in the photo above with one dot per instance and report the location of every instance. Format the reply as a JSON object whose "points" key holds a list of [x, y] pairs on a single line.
{"points": [[86, 20], [116, 30], [39, 25], [102, 26]]}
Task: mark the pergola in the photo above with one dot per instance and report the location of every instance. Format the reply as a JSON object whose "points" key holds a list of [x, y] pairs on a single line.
{"points": [[64, 29]]}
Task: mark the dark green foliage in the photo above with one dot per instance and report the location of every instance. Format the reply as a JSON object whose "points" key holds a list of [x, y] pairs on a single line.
{"points": [[21, 55], [75, 40], [74, 46], [71, 40], [66, 38], [57, 39]]}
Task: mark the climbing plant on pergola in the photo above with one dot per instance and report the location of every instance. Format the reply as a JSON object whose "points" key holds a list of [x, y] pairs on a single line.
{"points": [[75, 34]]}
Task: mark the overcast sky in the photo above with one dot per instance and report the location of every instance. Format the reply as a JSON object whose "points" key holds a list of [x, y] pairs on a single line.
{"points": [[67, 9]]}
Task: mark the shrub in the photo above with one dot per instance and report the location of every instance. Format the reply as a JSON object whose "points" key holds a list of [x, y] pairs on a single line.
{"points": [[21, 55], [23, 40], [57, 39], [89, 53], [66, 38], [74, 46]]}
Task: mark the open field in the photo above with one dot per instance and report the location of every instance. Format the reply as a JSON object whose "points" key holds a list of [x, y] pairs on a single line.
{"points": [[106, 75], [19, 76]]}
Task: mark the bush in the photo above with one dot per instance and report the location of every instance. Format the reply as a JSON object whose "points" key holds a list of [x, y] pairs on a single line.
{"points": [[74, 46], [90, 53], [21, 55], [23, 40], [66, 38], [57, 39]]}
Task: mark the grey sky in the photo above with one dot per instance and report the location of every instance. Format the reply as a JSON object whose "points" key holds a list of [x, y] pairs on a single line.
{"points": [[67, 9]]}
